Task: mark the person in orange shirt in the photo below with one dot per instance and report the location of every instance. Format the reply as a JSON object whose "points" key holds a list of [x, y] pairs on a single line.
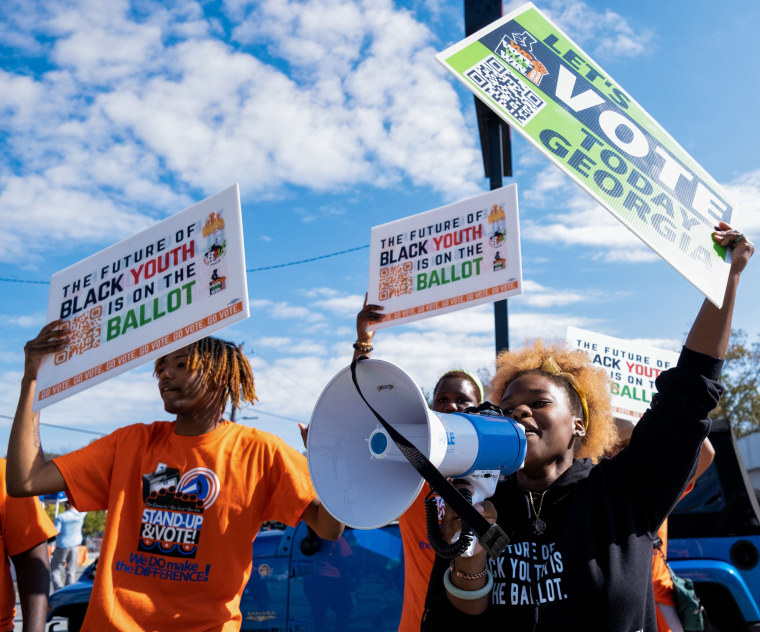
{"points": [[664, 591], [185, 499], [25, 529], [455, 391]]}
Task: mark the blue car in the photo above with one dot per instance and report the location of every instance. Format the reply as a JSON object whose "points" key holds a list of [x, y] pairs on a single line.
{"points": [[714, 538], [299, 582]]}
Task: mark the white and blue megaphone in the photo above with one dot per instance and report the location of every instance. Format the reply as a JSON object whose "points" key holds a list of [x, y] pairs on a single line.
{"points": [[358, 472]]}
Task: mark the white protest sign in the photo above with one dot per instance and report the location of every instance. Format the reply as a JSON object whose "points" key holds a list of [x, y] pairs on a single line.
{"points": [[146, 296], [446, 259], [547, 88], [632, 368]]}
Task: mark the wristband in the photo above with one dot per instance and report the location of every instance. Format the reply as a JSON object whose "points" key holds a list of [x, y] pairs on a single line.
{"points": [[467, 595], [468, 576]]}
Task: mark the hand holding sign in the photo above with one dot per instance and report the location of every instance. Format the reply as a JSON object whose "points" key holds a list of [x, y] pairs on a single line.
{"points": [[742, 248], [52, 338], [547, 88]]}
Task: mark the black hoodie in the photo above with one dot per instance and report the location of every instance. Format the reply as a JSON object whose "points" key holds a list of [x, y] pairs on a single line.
{"points": [[591, 568]]}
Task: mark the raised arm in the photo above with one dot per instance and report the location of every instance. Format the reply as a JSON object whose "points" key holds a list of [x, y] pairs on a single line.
{"points": [[364, 336], [321, 521], [712, 328], [29, 473]]}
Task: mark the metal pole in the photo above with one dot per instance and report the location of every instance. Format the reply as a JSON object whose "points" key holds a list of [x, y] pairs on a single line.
{"points": [[495, 170]]}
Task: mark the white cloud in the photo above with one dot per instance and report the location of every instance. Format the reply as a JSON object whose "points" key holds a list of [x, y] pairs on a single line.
{"points": [[576, 219], [343, 306], [603, 33], [282, 309], [573, 218], [133, 104], [745, 192], [25, 321], [537, 296], [43, 215], [123, 400], [274, 342]]}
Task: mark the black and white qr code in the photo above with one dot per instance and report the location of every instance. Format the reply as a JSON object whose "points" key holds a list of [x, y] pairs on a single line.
{"points": [[498, 82]]}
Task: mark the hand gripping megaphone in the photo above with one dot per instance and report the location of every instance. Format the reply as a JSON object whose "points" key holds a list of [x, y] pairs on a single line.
{"points": [[359, 474]]}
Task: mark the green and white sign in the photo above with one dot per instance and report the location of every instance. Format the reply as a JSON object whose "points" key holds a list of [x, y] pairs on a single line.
{"points": [[540, 82]]}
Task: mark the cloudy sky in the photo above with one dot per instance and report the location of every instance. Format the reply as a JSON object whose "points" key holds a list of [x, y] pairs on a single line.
{"points": [[333, 116]]}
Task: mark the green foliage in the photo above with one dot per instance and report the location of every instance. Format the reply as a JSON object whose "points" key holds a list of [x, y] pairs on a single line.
{"points": [[94, 523], [740, 402]]}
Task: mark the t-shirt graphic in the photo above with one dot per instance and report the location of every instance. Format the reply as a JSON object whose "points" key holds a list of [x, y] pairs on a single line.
{"points": [[527, 573], [173, 516]]}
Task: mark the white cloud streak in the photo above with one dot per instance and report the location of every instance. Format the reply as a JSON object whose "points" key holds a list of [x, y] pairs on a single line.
{"points": [[138, 115]]}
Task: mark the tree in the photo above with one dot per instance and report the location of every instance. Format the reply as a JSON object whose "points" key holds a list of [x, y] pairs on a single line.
{"points": [[740, 402]]}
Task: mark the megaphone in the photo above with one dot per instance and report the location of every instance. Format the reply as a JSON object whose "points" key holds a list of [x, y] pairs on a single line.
{"points": [[359, 474]]}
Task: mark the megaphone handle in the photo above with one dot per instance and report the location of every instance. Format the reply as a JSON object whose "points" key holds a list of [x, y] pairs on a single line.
{"points": [[440, 546], [491, 536]]}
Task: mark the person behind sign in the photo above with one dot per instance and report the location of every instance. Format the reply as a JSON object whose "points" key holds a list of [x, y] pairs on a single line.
{"points": [[25, 529], [455, 391], [185, 498], [581, 533]]}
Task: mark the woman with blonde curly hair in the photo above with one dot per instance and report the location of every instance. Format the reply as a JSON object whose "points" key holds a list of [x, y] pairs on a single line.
{"points": [[598, 437], [581, 526]]}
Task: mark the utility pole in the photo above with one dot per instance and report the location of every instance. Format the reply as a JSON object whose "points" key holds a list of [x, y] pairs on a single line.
{"points": [[495, 144]]}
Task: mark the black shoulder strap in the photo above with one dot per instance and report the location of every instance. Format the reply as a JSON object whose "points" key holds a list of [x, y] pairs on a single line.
{"points": [[492, 538]]}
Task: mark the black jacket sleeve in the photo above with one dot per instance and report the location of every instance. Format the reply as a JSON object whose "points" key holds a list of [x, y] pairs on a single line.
{"points": [[664, 448]]}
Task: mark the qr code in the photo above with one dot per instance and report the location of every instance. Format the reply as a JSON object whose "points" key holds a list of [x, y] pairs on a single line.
{"points": [[395, 281], [84, 334], [498, 82]]}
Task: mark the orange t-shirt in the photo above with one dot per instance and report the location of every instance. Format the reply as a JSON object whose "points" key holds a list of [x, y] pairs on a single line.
{"points": [[182, 514], [661, 579], [418, 560], [23, 525]]}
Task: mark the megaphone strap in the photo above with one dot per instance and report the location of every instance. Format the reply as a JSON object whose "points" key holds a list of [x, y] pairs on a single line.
{"points": [[492, 538]]}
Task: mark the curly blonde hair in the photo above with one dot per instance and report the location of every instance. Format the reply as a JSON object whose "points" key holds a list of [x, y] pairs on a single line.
{"points": [[222, 363], [601, 434]]}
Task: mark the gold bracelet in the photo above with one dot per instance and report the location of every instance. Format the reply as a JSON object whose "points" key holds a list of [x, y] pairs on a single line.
{"points": [[468, 576], [363, 346]]}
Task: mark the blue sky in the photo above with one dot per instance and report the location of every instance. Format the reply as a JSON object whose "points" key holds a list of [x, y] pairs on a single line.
{"points": [[333, 116]]}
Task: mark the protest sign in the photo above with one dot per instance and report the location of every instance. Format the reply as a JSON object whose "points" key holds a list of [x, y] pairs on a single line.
{"points": [[146, 296], [446, 259], [540, 82], [632, 368]]}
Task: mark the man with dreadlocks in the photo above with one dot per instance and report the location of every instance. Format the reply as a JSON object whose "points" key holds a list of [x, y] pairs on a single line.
{"points": [[185, 499]]}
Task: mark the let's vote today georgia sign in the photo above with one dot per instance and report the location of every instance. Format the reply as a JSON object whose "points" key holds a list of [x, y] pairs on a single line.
{"points": [[148, 295], [446, 259], [546, 87]]}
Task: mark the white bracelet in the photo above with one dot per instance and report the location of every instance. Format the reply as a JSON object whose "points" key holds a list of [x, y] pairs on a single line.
{"points": [[468, 595]]}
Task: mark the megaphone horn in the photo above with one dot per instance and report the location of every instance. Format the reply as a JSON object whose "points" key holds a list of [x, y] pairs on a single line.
{"points": [[360, 475]]}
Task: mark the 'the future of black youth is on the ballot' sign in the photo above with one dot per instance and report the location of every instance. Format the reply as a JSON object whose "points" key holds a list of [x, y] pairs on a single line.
{"points": [[540, 82], [633, 369], [446, 259], [148, 295]]}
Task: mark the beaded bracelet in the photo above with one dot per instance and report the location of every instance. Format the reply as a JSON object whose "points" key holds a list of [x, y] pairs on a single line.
{"points": [[467, 595], [366, 347]]}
